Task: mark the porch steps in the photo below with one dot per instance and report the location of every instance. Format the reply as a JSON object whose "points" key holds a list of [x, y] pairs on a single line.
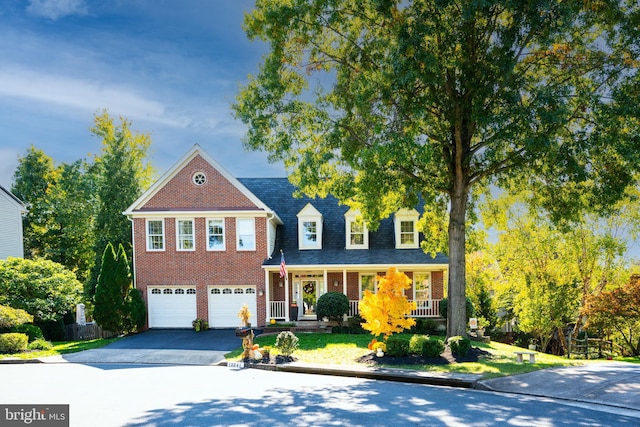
{"points": [[311, 326]]}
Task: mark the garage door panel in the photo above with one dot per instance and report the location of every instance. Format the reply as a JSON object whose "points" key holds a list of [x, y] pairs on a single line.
{"points": [[172, 307], [226, 301]]}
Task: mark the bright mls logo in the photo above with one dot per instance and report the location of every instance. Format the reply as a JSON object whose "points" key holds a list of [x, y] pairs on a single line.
{"points": [[34, 415]]}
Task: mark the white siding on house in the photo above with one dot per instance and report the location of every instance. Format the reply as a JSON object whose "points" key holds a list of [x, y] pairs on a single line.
{"points": [[11, 210]]}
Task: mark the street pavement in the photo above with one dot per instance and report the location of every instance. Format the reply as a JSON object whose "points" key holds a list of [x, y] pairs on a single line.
{"points": [[613, 384]]}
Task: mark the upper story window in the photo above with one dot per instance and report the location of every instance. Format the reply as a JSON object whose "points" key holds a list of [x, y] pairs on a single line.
{"points": [[422, 289], [215, 234], [155, 235], [406, 228], [309, 228], [246, 234], [185, 235], [356, 231]]}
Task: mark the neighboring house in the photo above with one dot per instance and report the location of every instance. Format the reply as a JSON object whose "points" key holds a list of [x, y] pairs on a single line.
{"points": [[11, 212], [205, 243]]}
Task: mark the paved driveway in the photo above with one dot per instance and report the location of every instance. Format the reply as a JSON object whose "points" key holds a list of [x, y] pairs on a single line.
{"points": [[161, 346]]}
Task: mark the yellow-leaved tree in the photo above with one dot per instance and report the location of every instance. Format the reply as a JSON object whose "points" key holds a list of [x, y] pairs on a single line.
{"points": [[387, 311]]}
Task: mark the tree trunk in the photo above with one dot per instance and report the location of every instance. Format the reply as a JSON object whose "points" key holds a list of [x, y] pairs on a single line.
{"points": [[456, 307]]}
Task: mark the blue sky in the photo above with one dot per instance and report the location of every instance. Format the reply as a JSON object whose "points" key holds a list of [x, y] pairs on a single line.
{"points": [[171, 67]]}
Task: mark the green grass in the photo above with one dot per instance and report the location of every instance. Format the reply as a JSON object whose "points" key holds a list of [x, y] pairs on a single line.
{"points": [[342, 349], [61, 347]]}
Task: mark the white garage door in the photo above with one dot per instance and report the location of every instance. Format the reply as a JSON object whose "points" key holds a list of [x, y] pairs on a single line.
{"points": [[226, 301], [172, 307]]}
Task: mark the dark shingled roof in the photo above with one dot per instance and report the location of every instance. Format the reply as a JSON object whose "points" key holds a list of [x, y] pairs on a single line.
{"points": [[277, 193]]}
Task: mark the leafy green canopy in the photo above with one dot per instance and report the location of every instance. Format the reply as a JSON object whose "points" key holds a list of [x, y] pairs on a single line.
{"points": [[44, 289], [381, 101]]}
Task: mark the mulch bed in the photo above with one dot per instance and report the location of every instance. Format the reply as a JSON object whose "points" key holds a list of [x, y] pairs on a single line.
{"points": [[445, 358]]}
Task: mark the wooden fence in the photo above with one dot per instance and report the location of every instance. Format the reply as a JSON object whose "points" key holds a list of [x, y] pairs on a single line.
{"points": [[90, 331], [591, 348]]}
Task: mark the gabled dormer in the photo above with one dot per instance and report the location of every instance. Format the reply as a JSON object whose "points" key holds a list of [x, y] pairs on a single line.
{"points": [[356, 232], [406, 228], [309, 228]]}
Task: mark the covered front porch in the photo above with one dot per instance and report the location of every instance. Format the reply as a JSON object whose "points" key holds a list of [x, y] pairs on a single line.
{"points": [[298, 292]]}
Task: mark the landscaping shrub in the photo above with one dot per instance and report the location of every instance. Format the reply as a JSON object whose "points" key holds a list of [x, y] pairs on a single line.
{"points": [[286, 343], [32, 331], [355, 325], [52, 330], [200, 325], [13, 342], [432, 348], [425, 326], [40, 344], [333, 306], [397, 346], [10, 317], [416, 342], [460, 346]]}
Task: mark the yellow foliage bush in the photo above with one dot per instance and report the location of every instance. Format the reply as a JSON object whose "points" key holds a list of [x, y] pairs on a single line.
{"points": [[387, 311]]}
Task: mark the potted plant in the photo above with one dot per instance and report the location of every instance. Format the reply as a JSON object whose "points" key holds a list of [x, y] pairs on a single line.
{"points": [[200, 325], [532, 344]]}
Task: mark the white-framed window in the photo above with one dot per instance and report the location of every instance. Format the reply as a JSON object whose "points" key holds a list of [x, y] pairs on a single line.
{"points": [[309, 233], [422, 289], [246, 234], [215, 234], [185, 236], [367, 283], [356, 231], [406, 229], [155, 234], [309, 228]]}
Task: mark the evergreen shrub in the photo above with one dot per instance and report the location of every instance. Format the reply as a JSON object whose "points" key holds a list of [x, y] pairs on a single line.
{"points": [[13, 342]]}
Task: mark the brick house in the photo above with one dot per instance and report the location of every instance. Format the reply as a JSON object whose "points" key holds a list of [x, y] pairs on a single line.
{"points": [[205, 242]]}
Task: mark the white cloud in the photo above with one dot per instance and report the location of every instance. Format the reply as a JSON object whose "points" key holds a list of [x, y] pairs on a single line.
{"points": [[55, 9], [83, 94]]}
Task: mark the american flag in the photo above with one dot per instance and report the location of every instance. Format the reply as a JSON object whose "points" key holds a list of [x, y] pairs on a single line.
{"points": [[283, 266]]}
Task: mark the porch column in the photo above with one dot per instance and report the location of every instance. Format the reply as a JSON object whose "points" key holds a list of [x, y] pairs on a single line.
{"points": [[286, 297], [344, 282], [267, 289]]}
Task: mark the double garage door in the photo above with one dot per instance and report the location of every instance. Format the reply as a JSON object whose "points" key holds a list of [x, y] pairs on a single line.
{"points": [[176, 307]]}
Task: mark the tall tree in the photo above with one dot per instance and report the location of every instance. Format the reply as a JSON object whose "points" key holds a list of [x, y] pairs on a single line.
{"points": [[107, 310], [439, 98], [122, 176], [73, 205], [33, 180]]}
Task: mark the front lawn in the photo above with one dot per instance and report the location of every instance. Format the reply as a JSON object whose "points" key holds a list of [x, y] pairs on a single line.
{"points": [[61, 347], [343, 349]]}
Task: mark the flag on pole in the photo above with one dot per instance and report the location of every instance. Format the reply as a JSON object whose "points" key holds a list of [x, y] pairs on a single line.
{"points": [[283, 266]]}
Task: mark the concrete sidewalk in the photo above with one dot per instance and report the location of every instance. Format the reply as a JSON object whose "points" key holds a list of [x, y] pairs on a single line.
{"points": [[614, 384]]}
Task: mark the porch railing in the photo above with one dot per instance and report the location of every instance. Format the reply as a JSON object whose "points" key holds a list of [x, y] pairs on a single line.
{"points": [[429, 308], [278, 310]]}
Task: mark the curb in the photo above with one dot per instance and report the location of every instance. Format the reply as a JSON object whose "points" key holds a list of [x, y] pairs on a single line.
{"points": [[384, 375]]}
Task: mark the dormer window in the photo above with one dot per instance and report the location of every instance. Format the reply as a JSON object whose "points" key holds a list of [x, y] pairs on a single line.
{"points": [[406, 229], [356, 231], [309, 228]]}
